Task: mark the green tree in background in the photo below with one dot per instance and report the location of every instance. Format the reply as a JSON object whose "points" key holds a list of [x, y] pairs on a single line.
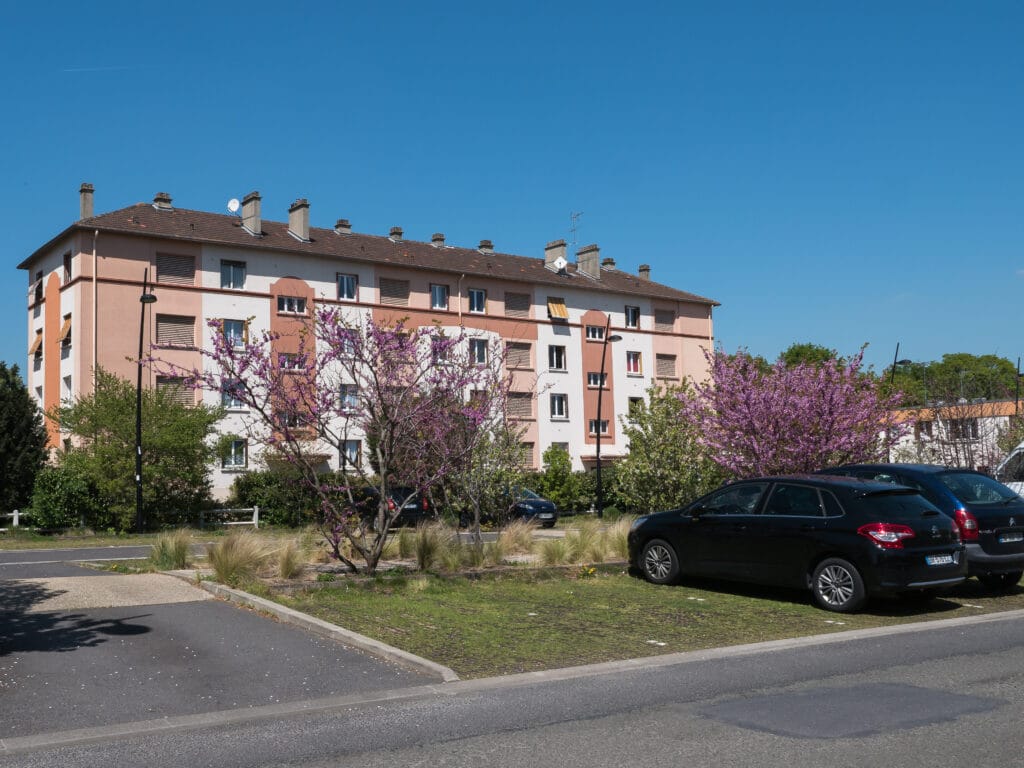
{"points": [[177, 451], [807, 353], [571, 491], [666, 466], [958, 376], [22, 440]]}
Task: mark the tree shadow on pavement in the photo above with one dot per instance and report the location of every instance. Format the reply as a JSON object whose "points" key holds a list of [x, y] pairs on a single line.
{"points": [[22, 630]]}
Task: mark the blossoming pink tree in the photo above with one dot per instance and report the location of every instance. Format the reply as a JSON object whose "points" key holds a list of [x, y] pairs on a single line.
{"points": [[419, 398], [791, 419]]}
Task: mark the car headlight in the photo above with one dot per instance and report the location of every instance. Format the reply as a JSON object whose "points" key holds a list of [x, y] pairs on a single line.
{"points": [[638, 522]]}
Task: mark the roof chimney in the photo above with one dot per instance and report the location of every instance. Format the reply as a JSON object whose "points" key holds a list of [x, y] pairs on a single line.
{"points": [[85, 201], [162, 202], [607, 263], [588, 260], [552, 251], [395, 234], [645, 271], [437, 239], [486, 246], [251, 220], [342, 227], [298, 220]]}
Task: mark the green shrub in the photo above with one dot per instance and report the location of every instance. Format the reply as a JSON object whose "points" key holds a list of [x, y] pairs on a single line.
{"points": [[172, 551], [281, 497], [63, 498]]}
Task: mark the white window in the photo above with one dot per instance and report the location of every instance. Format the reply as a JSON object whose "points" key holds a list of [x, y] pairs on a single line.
{"points": [[595, 332], [593, 426], [231, 394], [347, 286], [556, 358], [559, 406], [293, 305], [290, 361], [597, 379], [634, 364], [232, 274], [477, 300], [632, 317], [351, 453], [438, 296], [349, 396], [234, 333], [235, 455], [478, 350]]}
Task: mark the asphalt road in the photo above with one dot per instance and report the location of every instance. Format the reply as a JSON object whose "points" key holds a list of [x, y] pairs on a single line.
{"points": [[948, 694]]}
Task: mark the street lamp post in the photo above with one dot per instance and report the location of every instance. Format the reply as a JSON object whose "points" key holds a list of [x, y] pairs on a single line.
{"points": [[597, 431], [144, 299]]}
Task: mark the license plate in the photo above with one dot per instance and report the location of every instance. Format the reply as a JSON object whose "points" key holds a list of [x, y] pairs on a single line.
{"points": [[545, 515], [1009, 538], [939, 559]]}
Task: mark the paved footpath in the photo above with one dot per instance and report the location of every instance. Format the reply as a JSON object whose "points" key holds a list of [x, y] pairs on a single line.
{"points": [[81, 649]]}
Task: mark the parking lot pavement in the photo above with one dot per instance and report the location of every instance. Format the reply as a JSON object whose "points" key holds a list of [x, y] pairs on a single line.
{"points": [[93, 650]]}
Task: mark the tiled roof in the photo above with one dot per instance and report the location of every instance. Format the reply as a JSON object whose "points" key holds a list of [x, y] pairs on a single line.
{"points": [[200, 226], [967, 410]]}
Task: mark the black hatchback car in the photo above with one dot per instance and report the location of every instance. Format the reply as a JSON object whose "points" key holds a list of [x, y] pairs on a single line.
{"points": [[842, 538], [990, 515]]}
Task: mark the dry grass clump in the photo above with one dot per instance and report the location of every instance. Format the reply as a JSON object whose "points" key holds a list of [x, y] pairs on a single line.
{"points": [[406, 543], [554, 552], [237, 558], [617, 537], [517, 537], [431, 540], [172, 551], [291, 559], [585, 543]]}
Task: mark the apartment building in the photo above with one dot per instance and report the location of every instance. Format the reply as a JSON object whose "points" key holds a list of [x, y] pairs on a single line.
{"points": [[551, 313]]}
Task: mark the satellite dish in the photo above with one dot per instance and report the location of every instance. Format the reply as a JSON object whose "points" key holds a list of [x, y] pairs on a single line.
{"points": [[234, 205], [560, 263]]}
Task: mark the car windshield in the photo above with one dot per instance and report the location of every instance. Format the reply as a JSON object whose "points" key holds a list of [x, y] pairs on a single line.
{"points": [[526, 493], [971, 488]]}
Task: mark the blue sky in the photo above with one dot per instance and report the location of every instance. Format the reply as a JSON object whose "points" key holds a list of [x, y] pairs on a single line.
{"points": [[839, 173]]}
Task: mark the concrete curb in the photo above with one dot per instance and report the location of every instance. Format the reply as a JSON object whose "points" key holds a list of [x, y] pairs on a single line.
{"points": [[324, 628]]}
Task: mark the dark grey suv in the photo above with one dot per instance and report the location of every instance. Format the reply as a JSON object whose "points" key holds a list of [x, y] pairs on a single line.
{"points": [[990, 515]]}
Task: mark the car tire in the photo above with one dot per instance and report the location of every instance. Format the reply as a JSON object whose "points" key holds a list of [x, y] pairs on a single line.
{"points": [[659, 563], [837, 586], [1000, 582]]}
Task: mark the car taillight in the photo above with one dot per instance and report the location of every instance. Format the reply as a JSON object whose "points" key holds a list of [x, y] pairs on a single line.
{"points": [[391, 505], [426, 504], [887, 535], [967, 523], [957, 538]]}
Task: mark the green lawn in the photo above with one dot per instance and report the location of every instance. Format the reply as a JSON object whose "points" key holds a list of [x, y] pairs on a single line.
{"points": [[529, 621]]}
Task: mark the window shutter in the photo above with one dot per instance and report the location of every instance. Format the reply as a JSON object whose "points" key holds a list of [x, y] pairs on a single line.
{"points": [[517, 305], [665, 366], [520, 405], [175, 389], [175, 331], [517, 355], [664, 320], [394, 292], [174, 269]]}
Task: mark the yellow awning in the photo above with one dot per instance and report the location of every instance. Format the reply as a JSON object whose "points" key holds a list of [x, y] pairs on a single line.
{"points": [[557, 309], [36, 344], [65, 330]]}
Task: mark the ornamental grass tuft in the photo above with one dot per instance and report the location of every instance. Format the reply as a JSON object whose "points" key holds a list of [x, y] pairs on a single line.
{"points": [[237, 558], [172, 551]]}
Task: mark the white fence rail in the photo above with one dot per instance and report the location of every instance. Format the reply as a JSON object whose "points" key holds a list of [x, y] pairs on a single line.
{"points": [[252, 517], [15, 517]]}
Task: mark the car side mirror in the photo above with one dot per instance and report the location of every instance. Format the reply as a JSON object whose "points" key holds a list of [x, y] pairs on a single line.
{"points": [[696, 511]]}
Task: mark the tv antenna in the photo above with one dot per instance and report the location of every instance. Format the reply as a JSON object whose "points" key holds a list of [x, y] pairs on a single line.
{"points": [[574, 218]]}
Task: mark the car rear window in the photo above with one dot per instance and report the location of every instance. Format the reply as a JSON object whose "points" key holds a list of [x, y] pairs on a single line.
{"points": [[895, 503], [976, 489]]}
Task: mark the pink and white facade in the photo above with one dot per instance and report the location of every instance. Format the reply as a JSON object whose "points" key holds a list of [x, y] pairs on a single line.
{"points": [[551, 315]]}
